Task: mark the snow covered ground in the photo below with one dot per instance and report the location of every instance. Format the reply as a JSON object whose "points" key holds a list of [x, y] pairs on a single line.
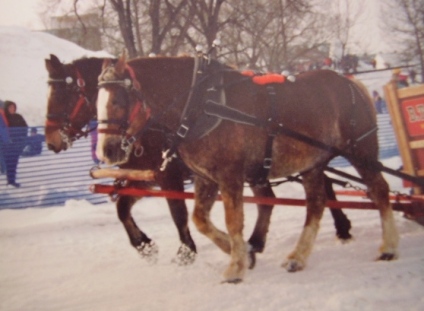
{"points": [[77, 256]]}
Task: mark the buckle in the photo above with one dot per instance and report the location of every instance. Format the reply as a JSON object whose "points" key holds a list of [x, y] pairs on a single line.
{"points": [[126, 142], [182, 131], [267, 163], [131, 140]]}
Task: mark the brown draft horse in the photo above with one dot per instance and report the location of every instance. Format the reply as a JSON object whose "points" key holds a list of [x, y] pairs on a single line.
{"points": [[320, 105], [71, 105]]}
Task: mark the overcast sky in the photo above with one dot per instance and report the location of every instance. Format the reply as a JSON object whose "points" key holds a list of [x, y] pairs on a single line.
{"points": [[20, 13], [24, 13]]}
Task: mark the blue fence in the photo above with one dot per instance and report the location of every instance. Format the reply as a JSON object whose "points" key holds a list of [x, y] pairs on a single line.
{"points": [[51, 179]]}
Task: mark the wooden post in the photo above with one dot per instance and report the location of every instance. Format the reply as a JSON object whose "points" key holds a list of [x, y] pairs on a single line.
{"points": [[406, 108]]}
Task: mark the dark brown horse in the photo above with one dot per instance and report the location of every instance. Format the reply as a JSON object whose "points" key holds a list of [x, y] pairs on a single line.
{"points": [[71, 105], [330, 114]]}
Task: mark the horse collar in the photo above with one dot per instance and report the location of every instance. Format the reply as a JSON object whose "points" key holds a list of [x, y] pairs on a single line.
{"points": [[194, 123]]}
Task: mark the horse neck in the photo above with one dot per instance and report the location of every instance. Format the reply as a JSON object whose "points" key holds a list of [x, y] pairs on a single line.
{"points": [[165, 83]]}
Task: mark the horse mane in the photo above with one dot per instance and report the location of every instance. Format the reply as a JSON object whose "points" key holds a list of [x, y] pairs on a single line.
{"points": [[87, 66]]}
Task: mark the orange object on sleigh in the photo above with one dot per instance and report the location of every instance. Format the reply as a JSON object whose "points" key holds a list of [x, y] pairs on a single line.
{"points": [[265, 78]]}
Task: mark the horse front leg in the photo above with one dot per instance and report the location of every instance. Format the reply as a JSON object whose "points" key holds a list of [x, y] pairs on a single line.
{"points": [[147, 249], [187, 251], [258, 238], [313, 183], [205, 196], [232, 197], [172, 179], [341, 222]]}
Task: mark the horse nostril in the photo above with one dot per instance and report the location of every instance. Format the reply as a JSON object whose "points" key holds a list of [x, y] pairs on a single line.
{"points": [[108, 152]]}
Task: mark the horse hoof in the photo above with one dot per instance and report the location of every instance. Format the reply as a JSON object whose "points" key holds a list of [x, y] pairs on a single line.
{"points": [[251, 258], [387, 257], [185, 256], [148, 251], [344, 238], [232, 281], [292, 265]]}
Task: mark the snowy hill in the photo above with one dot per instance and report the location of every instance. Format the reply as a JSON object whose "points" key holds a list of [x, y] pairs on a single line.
{"points": [[23, 76]]}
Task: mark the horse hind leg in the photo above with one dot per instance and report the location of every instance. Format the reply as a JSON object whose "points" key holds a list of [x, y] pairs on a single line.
{"points": [[147, 249], [187, 252], [257, 240], [313, 183], [378, 190]]}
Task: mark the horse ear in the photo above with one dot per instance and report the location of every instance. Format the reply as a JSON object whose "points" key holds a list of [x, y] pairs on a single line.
{"points": [[55, 59], [106, 63], [121, 63], [53, 64]]}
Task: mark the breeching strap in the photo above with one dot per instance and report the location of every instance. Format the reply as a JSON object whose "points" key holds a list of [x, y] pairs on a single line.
{"points": [[234, 115]]}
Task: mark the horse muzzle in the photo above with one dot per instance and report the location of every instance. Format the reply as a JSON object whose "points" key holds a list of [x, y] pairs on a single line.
{"points": [[109, 150]]}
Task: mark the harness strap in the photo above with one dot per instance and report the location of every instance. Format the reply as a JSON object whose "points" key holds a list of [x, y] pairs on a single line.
{"points": [[187, 118], [229, 113], [81, 101], [355, 91], [135, 82], [261, 176]]}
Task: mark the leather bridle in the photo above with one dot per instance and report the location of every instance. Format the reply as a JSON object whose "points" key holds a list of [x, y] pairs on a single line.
{"points": [[65, 121], [130, 86]]}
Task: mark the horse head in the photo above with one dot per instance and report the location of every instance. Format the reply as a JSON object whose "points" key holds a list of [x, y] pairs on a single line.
{"points": [[68, 105], [122, 112]]}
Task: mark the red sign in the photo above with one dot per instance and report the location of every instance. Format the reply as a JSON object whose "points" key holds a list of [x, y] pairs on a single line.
{"points": [[413, 112]]}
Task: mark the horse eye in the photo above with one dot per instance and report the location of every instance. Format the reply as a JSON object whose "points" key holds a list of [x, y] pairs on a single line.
{"points": [[57, 87]]}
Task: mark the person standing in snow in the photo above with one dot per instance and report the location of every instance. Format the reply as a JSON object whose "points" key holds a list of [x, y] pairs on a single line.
{"points": [[18, 129], [4, 137]]}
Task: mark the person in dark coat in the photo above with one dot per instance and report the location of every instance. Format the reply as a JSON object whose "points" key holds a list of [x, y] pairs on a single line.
{"points": [[18, 129], [4, 137]]}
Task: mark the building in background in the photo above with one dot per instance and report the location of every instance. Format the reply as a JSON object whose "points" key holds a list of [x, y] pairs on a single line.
{"points": [[83, 31]]}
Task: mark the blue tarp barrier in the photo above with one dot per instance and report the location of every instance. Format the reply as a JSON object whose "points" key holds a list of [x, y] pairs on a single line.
{"points": [[50, 179]]}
